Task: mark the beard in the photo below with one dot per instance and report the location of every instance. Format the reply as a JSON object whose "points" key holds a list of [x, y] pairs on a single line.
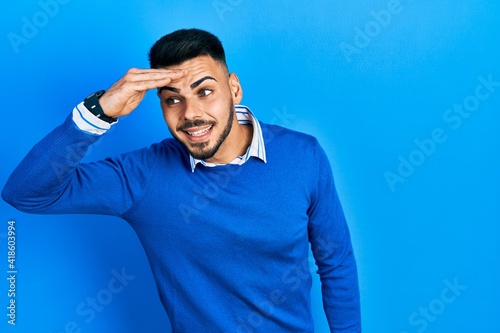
{"points": [[202, 150]]}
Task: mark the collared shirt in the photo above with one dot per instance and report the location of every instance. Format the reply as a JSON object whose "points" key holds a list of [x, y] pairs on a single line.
{"points": [[256, 148]]}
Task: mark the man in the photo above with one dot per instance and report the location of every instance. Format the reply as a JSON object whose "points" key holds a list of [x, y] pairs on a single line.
{"points": [[225, 209]]}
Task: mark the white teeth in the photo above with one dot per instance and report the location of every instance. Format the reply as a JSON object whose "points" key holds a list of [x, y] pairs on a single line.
{"points": [[200, 132]]}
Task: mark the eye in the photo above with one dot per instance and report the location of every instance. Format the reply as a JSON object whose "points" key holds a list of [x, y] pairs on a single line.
{"points": [[172, 100], [205, 92]]}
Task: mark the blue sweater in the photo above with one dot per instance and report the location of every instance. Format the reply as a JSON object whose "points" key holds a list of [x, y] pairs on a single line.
{"points": [[228, 245]]}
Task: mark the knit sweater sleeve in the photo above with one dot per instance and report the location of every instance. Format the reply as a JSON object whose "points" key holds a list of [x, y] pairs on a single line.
{"points": [[332, 250], [51, 179]]}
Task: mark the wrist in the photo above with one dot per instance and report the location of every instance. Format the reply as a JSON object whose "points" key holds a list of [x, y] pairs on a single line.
{"points": [[86, 121], [92, 104]]}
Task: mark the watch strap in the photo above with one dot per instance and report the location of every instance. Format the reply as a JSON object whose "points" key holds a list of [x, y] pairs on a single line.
{"points": [[92, 104]]}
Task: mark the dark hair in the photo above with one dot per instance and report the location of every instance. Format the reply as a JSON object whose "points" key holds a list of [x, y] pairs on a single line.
{"points": [[185, 44]]}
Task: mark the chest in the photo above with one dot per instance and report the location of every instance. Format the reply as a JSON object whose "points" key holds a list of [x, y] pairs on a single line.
{"points": [[228, 209]]}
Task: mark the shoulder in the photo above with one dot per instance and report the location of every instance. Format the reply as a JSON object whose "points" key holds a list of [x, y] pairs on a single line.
{"points": [[167, 151], [166, 146], [289, 149], [275, 135], [171, 153]]}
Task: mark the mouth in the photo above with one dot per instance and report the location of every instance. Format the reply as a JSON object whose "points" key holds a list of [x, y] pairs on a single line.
{"points": [[199, 134]]}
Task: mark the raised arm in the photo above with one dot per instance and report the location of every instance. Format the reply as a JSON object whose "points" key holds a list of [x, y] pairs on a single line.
{"points": [[52, 179]]}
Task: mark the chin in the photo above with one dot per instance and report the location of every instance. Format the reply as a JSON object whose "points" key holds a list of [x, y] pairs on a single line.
{"points": [[202, 155]]}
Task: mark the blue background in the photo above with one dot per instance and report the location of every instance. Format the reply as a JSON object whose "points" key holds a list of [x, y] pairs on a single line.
{"points": [[373, 80]]}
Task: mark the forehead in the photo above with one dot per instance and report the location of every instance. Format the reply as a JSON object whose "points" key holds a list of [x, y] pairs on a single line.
{"points": [[200, 65]]}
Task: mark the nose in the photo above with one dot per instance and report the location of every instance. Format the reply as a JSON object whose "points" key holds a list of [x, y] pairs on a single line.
{"points": [[193, 110]]}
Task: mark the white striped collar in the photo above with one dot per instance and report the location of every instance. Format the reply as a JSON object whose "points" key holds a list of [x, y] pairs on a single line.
{"points": [[256, 148]]}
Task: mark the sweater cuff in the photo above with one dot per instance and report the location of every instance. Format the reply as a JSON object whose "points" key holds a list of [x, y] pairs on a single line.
{"points": [[88, 122]]}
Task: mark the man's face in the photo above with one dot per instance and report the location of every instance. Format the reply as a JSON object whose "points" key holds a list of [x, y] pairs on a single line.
{"points": [[199, 108]]}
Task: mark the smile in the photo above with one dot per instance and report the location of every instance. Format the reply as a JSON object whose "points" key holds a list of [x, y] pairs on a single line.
{"points": [[200, 132]]}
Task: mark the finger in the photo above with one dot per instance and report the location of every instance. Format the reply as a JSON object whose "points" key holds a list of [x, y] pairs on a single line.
{"points": [[152, 83], [142, 70], [158, 72], [150, 80]]}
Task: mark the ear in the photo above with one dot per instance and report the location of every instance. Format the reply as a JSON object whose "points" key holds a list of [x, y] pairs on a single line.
{"points": [[235, 87]]}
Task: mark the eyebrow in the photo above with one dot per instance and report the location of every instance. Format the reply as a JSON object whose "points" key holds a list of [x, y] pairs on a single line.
{"points": [[197, 83], [192, 86]]}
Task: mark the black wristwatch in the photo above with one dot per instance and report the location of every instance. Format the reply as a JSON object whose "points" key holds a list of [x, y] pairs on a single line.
{"points": [[92, 104]]}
